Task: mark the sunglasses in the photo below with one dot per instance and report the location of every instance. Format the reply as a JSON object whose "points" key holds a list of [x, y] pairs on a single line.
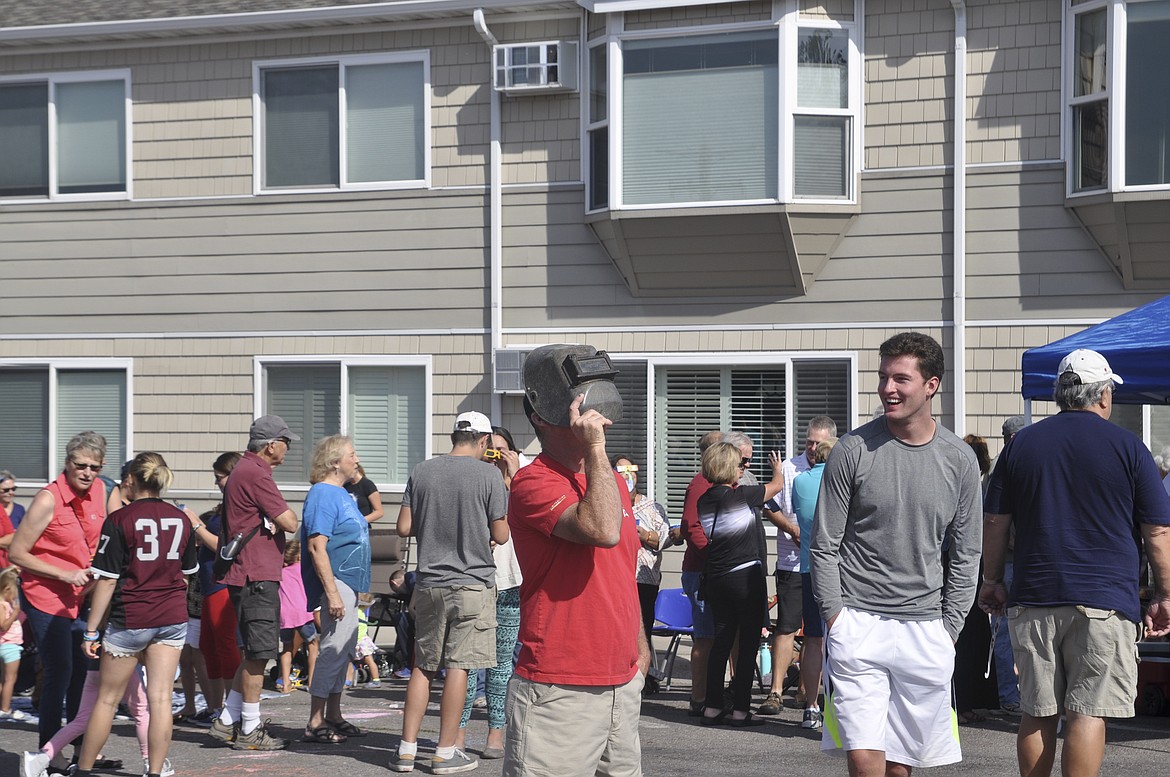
{"points": [[8, 490], [83, 467], [745, 463], [626, 468]]}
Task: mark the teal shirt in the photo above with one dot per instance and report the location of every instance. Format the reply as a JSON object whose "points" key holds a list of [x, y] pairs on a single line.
{"points": [[805, 488]]}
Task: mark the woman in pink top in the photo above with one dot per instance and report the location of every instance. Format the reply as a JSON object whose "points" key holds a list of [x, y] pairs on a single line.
{"points": [[54, 546]]}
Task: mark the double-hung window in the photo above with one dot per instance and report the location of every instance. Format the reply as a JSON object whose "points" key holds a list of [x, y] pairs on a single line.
{"points": [[360, 122], [729, 114], [384, 403], [65, 136], [47, 403]]}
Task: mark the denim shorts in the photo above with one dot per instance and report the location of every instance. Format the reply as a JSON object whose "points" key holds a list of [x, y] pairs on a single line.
{"points": [[131, 642], [10, 653], [308, 633]]}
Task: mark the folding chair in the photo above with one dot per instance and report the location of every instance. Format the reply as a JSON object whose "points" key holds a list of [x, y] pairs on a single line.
{"points": [[672, 609]]}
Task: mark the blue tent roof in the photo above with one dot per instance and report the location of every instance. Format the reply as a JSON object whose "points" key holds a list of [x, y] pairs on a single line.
{"points": [[1137, 345]]}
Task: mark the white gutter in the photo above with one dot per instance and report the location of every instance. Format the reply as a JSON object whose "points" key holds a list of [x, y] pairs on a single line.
{"points": [[496, 209], [304, 16], [959, 229]]}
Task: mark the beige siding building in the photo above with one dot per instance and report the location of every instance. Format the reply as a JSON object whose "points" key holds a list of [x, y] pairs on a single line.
{"points": [[360, 215]]}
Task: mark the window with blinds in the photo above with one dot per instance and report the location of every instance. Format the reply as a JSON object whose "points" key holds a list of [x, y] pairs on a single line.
{"points": [[344, 123], [385, 413], [691, 401], [627, 437], [64, 135], [86, 400]]}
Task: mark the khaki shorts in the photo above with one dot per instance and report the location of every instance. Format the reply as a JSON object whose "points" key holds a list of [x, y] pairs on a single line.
{"points": [[1078, 658], [454, 627], [573, 730]]}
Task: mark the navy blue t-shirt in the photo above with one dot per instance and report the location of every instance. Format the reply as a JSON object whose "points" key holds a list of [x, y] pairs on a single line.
{"points": [[1078, 489]]}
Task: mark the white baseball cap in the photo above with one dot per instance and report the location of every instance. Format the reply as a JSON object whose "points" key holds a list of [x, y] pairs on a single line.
{"points": [[1089, 366], [473, 422]]}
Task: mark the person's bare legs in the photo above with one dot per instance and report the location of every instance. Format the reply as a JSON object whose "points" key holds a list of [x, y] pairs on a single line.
{"points": [[115, 673], [1084, 745], [286, 657], [1036, 745], [418, 695], [10, 671], [782, 658], [451, 705], [160, 661], [213, 693], [249, 679], [873, 763], [187, 679], [810, 669], [700, 651]]}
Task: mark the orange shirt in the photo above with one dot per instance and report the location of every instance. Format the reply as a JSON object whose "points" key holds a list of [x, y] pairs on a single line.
{"points": [[69, 542]]}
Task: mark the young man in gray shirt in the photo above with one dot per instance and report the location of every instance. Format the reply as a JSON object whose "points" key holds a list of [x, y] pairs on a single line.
{"points": [[893, 491], [454, 506]]}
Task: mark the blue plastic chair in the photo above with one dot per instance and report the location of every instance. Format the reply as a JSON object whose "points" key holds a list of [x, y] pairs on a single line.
{"points": [[672, 616]]}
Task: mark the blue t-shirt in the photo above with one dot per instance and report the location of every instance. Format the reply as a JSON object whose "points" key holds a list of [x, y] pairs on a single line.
{"points": [[330, 511], [1078, 489], [805, 488]]}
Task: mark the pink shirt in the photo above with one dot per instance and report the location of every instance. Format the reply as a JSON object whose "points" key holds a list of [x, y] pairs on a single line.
{"points": [[15, 633], [68, 541], [294, 608]]}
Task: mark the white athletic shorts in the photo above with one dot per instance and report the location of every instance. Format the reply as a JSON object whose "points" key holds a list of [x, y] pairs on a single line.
{"points": [[888, 688]]}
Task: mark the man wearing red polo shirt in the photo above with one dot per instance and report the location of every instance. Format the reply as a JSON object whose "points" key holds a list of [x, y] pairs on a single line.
{"points": [[575, 699], [254, 508]]}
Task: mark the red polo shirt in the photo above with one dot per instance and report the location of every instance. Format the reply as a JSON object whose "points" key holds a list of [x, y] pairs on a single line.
{"points": [[5, 530], [695, 556], [68, 541], [579, 611], [249, 496]]}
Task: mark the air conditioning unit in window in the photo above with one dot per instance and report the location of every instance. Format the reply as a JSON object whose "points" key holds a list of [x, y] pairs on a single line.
{"points": [[509, 372], [536, 67]]}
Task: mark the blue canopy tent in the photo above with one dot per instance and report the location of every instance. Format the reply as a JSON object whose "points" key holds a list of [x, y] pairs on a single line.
{"points": [[1137, 345]]}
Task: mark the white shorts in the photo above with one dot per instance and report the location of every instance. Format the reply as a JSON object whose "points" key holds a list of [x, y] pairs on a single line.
{"points": [[888, 688]]}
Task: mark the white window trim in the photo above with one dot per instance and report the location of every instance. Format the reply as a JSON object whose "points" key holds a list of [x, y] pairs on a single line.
{"points": [[52, 79], [343, 363], [787, 21], [53, 365], [737, 359], [343, 62]]}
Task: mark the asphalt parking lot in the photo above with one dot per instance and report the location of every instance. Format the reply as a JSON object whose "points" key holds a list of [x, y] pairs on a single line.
{"points": [[672, 745]]}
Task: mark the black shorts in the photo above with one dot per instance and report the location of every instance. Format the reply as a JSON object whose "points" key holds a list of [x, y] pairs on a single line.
{"points": [[789, 603], [257, 606]]}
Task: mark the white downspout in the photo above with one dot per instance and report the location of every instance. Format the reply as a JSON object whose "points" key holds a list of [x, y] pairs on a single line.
{"points": [[959, 250], [496, 210]]}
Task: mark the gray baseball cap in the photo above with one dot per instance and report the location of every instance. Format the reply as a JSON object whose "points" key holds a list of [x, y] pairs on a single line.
{"points": [[1013, 424], [271, 427]]}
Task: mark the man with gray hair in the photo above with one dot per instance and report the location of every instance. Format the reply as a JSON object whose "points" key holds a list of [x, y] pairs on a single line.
{"points": [[789, 592], [255, 511], [1083, 495]]}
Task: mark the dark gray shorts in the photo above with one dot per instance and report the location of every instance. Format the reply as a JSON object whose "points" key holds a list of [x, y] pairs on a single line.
{"points": [[257, 606]]}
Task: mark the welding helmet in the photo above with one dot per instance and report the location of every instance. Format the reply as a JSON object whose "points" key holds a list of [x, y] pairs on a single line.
{"points": [[555, 374]]}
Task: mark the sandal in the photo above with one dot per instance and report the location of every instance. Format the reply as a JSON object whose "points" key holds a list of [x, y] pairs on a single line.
{"points": [[345, 727], [971, 716], [323, 735], [107, 763], [717, 720], [746, 722]]}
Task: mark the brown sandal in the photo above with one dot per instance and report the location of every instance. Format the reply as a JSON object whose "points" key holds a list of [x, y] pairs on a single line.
{"points": [[324, 735]]}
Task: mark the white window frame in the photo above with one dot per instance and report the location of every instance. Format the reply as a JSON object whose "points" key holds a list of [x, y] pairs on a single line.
{"points": [[53, 366], [1115, 95], [774, 359], [342, 62], [53, 79], [343, 364], [787, 22]]}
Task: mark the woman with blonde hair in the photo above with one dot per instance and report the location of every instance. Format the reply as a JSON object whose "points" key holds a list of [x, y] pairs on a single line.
{"points": [[337, 538], [146, 550]]}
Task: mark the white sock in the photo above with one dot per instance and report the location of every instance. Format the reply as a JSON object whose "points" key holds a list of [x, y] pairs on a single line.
{"points": [[445, 752], [407, 748], [249, 717], [231, 708], [813, 708]]}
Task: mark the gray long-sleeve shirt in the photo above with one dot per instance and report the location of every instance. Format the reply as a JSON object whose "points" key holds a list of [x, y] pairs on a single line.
{"points": [[884, 510]]}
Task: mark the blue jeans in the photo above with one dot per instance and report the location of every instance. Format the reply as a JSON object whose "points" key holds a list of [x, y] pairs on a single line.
{"points": [[1005, 670], [64, 665]]}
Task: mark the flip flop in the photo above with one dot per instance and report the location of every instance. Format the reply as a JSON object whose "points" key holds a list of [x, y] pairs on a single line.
{"points": [[345, 727], [323, 735]]}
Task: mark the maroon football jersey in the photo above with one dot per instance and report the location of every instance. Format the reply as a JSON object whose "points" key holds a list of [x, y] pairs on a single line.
{"points": [[148, 547]]}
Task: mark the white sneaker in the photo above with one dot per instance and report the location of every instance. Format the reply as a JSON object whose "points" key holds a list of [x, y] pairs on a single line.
{"points": [[34, 764], [167, 769], [12, 715]]}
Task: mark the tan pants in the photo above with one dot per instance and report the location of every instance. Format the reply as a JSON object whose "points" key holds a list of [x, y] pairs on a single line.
{"points": [[573, 730]]}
